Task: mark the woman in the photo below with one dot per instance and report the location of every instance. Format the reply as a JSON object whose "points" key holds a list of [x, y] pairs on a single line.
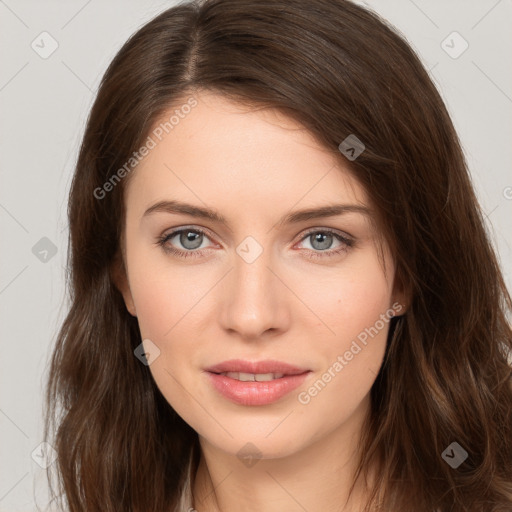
{"points": [[283, 295]]}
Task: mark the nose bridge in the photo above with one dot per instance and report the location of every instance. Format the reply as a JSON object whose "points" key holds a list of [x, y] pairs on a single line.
{"points": [[253, 301]]}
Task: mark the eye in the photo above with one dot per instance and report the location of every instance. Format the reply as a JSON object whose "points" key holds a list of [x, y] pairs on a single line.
{"points": [[190, 239], [321, 241]]}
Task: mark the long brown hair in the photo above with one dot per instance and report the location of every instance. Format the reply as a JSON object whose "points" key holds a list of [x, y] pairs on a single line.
{"points": [[338, 69]]}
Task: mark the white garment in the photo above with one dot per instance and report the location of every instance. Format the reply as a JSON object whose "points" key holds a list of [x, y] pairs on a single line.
{"points": [[185, 502]]}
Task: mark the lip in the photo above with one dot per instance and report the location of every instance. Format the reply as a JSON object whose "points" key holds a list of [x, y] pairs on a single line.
{"points": [[267, 366], [254, 392]]}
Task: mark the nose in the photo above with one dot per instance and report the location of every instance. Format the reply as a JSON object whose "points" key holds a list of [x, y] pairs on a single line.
{"points": [[254, 300]]}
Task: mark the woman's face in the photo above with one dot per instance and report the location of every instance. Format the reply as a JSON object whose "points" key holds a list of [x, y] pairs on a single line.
{"points": [[269, 326]]}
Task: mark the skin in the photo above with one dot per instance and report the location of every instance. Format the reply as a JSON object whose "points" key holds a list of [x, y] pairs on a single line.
{"points": [[253, 167]]}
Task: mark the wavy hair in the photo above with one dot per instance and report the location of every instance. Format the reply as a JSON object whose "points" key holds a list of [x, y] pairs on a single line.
{"points": [[338, 69]]}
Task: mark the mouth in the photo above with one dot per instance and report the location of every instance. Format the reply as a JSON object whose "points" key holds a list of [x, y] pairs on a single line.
{"points": [[255, 383]]}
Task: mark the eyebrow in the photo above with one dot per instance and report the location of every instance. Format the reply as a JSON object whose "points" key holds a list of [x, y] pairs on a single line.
{"points": [[179, 207]]}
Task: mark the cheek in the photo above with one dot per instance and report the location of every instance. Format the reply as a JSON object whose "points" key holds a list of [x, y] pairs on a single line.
{"points": [[347, 300], [354, 309], [166, 297]]}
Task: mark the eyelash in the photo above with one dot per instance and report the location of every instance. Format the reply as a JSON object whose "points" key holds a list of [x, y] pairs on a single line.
{"points": [[162, 242]]}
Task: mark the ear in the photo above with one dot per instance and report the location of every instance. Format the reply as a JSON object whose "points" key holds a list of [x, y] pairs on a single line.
{"points": [[401, 298], [120, 278]]}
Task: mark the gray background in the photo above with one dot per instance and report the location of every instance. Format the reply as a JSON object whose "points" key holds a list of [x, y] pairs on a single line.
{"points": [[44, 103]]}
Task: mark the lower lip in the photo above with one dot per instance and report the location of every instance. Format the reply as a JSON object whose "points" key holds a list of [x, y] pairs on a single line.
{"points": [[256, 393]]}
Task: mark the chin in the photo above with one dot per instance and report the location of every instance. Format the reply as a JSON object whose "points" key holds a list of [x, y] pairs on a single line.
{"points": [[254, 443]]}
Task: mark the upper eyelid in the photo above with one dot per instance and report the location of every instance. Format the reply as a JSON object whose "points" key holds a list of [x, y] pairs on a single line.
{"points": [[174, 231]]}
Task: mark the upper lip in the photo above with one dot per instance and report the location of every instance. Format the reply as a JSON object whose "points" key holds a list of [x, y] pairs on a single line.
{"points": [[267, 366]]}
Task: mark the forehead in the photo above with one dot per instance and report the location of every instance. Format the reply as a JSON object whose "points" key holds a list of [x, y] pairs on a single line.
{"points": [[222, 152]]}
